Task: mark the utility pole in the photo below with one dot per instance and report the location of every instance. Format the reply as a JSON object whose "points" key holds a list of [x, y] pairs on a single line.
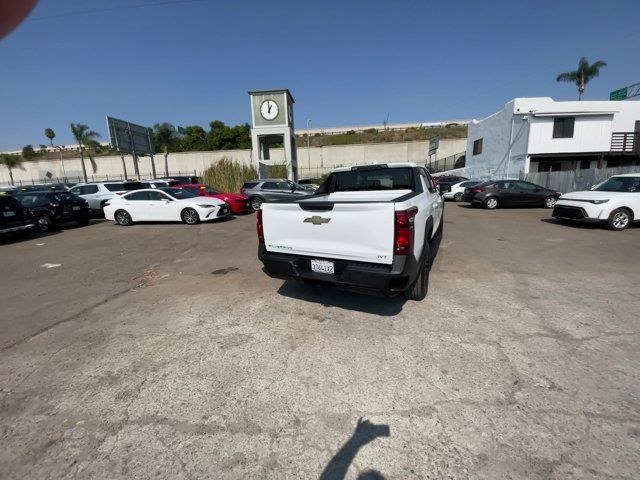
{"points": [[309, 145], [60, 148]]}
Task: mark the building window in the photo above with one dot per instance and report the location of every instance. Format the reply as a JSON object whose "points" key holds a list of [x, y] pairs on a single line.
{"points": [[477, 147], [563, 127]]}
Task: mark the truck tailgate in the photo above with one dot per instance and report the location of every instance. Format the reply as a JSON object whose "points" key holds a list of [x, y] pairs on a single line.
{"points": [[360, 232]]}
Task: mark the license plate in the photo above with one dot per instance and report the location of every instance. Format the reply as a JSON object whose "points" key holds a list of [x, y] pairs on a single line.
{"points": [[9, 214], [322, 266], [76, 208]]}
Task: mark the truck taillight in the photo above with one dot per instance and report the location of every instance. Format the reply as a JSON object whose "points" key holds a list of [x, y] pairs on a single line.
{"points": [[404, 231], [259, 227]]}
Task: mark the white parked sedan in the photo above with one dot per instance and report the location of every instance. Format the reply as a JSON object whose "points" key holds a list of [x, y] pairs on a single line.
{"points": [[457, 189], [615, 202], [164, 205]]}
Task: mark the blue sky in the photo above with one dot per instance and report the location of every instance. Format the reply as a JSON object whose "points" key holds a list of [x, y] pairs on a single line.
{"points": [[346, 62]]}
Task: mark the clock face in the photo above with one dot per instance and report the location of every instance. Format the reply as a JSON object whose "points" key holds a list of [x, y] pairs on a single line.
{"points": [[269, 109]]}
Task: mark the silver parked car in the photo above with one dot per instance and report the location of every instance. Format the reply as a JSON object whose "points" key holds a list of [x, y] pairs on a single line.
{"points": [[98, 193], [271, 189]]}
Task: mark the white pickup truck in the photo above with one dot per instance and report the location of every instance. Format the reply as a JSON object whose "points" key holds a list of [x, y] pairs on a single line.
{"points": [[369, 229]]}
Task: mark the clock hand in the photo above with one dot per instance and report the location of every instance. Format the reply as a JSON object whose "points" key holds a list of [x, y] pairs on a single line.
{"points": [[268, 107]]}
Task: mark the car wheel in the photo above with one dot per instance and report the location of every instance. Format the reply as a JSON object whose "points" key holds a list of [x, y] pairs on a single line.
{"points": [[256, 203], [490, 203], [458, 197], [190, 216], [619, 219], [44, 222], [123, 218], [550, 201], [418, 290]]}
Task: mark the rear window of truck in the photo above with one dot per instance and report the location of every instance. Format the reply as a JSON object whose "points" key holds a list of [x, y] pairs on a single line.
{"points": [[382, 179]]}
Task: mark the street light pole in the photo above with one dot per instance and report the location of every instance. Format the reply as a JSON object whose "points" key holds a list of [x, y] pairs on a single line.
{"points": [[64, 174], [308, 145]]}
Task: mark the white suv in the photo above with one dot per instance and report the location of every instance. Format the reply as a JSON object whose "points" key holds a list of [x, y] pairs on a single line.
{"points": [[97, 194], [615, 201]]}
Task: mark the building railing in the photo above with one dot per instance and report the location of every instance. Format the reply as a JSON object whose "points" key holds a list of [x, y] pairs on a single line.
{"points": [[625, 142]]}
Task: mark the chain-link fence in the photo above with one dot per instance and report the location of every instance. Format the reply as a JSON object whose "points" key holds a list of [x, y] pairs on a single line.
{"points": [[448, 163]]}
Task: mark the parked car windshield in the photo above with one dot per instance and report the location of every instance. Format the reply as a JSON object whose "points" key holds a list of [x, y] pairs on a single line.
{"points": [[178, 193], [382, 179], [620, 184]]}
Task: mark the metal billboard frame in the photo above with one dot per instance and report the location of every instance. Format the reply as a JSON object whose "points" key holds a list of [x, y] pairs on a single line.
{"points": [[127, 137]]}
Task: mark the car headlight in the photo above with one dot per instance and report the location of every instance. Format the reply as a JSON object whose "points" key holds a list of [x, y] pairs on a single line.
{"points": [[205, 205], [598, 202]]}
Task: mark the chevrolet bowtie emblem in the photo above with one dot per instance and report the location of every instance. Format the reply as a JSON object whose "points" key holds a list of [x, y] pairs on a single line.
{"points": [[316, 220]]}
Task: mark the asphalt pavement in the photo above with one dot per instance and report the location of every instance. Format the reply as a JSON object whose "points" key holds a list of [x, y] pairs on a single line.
{"points": [[163, 351]]}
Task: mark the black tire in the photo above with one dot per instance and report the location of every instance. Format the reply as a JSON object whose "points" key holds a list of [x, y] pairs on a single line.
{"points": [[123, 218], [550, 201], [255, 203], [458, 197], [83, 221], [44, 222], [190, 216], [420, 286], [490, 203], [620, 219]]}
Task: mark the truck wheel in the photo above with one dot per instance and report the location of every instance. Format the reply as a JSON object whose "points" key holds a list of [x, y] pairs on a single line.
{"points": [[619, 219], [418, 290]]}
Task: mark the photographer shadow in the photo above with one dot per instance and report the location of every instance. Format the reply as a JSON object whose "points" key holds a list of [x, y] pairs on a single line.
{"points": [[364, 433]]}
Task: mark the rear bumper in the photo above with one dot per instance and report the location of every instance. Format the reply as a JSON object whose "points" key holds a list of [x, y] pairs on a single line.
{"points": [[471, 198], [352, 276]]}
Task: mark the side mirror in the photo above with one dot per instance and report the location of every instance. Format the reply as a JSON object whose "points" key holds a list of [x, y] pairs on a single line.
{"points": [[166, 200]]}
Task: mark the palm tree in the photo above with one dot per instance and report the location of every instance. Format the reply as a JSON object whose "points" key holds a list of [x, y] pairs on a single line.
{"points": [[11, 162], [582, 75], [50, 134], [86, 142], [165, 133]]}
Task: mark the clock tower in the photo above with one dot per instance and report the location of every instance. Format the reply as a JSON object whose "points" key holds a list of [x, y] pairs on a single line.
{"points": [[272, 123]]}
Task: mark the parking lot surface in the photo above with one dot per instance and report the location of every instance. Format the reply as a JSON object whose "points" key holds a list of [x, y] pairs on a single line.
{"points": [[163, 351]]}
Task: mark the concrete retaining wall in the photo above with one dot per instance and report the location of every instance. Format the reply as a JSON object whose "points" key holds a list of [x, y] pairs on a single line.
{"points": [[321, 160]]}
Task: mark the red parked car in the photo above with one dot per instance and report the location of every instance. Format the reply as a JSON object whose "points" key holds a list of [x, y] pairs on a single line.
{"points": [[238, 203]]}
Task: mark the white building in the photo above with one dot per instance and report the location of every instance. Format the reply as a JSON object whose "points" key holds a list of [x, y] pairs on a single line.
{"points": [[540, 134]]}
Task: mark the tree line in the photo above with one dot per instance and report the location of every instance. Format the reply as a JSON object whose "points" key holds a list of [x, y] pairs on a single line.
{"points": [[166, 139]]}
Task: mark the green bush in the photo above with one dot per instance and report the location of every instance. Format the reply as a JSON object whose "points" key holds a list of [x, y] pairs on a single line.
{"points": [[278, 170], [228, 175]]}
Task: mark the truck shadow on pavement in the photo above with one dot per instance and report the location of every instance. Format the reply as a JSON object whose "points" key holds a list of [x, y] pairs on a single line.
{"points": [[364, 433], [329, 296]]}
